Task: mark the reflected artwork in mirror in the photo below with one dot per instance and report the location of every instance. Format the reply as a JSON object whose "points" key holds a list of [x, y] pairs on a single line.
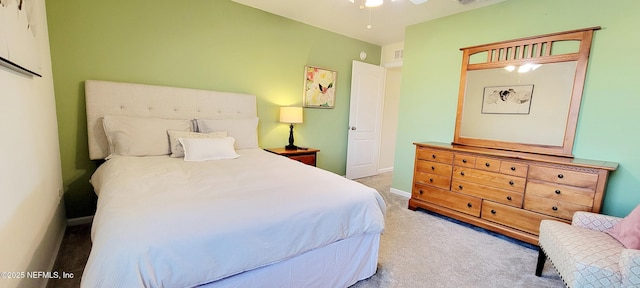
{"points": [[511, 99]]}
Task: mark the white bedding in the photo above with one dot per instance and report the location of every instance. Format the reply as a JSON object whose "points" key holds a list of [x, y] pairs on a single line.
{"points": [[164, 222]]}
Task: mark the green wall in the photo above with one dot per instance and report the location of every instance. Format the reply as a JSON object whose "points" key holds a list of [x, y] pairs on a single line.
{"points": [[607, 128], [202, 44]]}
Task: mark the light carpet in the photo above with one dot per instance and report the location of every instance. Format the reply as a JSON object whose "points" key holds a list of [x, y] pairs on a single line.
{"points": [[420, 249]]}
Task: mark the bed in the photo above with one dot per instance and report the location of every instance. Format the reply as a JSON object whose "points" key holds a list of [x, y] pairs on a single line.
{"points": [[234, 217]]}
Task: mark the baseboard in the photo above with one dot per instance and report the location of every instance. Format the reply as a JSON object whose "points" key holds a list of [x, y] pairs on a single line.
{"points": [[400, 192], [79, 220], [385, 170], [54, 256], [45, 254]]}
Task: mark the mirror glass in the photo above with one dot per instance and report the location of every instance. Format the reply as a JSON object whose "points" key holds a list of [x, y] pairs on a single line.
{"points": [[524, 104]]}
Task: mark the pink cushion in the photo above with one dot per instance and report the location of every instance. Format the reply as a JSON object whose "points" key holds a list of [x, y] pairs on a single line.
{"points": [[627, 231]]}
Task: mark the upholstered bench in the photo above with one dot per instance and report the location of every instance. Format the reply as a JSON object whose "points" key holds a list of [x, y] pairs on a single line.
{"points": [[585, 256]]}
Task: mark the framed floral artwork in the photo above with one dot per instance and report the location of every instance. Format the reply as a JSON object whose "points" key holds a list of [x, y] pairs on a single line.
{"points": [[319, 87]]}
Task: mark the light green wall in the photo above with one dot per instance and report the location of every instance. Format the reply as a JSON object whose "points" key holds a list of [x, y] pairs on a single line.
{"points": [[607, 128], [202, 44]]}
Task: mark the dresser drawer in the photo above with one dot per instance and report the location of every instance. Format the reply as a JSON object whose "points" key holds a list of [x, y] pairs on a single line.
{"points": [[420, 191], [465, 160], [494, 194], [565, 177], [492, 179], [454, 201], [514, 168], [306, 159], [488, 164], [434, 168], [523, 220], [553, 207], [580, 196], [432, 179], [434, 155]]}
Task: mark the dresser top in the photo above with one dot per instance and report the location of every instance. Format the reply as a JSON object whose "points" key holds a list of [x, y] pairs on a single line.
{"points": [[522, 155]]}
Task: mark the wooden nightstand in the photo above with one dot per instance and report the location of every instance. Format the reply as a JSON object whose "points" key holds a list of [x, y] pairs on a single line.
{"points": [[305, 156]]}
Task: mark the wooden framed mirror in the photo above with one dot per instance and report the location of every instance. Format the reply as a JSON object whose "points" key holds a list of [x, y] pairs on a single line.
{"points": [[524, 94]]}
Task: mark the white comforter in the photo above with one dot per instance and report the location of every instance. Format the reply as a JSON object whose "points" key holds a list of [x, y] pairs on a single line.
{"points": [[163, 222]]}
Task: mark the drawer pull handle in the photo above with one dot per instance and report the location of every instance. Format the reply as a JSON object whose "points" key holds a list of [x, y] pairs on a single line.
{"points": [[554, 208], [433, 168], [469, 205], [487, 164], [421, 192], [464, 160], [431, 180], [509, 198], [560, 176], [460, 186], [462, 173], [493, 212], [511, 183], [433, 156], [558, 192], [513, 168]]}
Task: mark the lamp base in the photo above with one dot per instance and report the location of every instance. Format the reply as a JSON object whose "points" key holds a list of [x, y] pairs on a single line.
{"points": [[291, 147]]}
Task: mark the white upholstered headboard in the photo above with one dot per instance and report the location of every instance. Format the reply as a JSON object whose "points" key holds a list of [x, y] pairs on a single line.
{"points": [[139, 100]]}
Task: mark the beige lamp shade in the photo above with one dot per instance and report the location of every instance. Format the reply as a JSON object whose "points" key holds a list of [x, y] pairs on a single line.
{"points": [[291, 115]]}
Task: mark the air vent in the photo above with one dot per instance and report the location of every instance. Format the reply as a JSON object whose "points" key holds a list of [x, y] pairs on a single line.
{"points": [[398, 54]]}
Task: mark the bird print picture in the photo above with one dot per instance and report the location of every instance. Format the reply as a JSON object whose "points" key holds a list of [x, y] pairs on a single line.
{"points": [[515, 99]]}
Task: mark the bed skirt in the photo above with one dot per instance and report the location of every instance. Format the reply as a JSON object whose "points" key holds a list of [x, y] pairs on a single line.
{"points": [[340, 264]]}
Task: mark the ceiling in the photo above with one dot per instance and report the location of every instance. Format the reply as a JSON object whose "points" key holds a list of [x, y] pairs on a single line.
{"points": [[387, 21]]}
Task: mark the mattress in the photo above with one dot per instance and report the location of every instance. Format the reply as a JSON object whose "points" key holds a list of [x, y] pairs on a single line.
{"points": [[164, 222]]}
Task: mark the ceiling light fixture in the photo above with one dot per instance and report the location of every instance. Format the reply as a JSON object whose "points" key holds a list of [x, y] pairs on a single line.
{"points": [[524, 68], [373, 3], [528, 67], [369, 4]]}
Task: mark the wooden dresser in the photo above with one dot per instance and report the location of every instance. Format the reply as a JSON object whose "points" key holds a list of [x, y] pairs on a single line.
{"points": [[503, 191]]}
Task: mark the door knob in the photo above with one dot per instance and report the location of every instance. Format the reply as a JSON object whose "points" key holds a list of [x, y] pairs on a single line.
{"points": [[353, 128]]}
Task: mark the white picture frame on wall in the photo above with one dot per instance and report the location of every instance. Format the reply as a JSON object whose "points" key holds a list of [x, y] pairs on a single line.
{"points": [[18, 36]]}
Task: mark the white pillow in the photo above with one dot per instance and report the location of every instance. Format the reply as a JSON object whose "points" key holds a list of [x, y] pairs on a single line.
{"points": [[202, 149], [243, 130], [176, 147], [132, 136]]}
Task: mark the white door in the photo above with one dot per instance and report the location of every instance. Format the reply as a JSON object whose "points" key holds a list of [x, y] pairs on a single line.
{"points": [[365, 120]]}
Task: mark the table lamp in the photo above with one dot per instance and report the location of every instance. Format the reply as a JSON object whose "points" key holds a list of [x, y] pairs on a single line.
{"points": [[291, 115]]}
